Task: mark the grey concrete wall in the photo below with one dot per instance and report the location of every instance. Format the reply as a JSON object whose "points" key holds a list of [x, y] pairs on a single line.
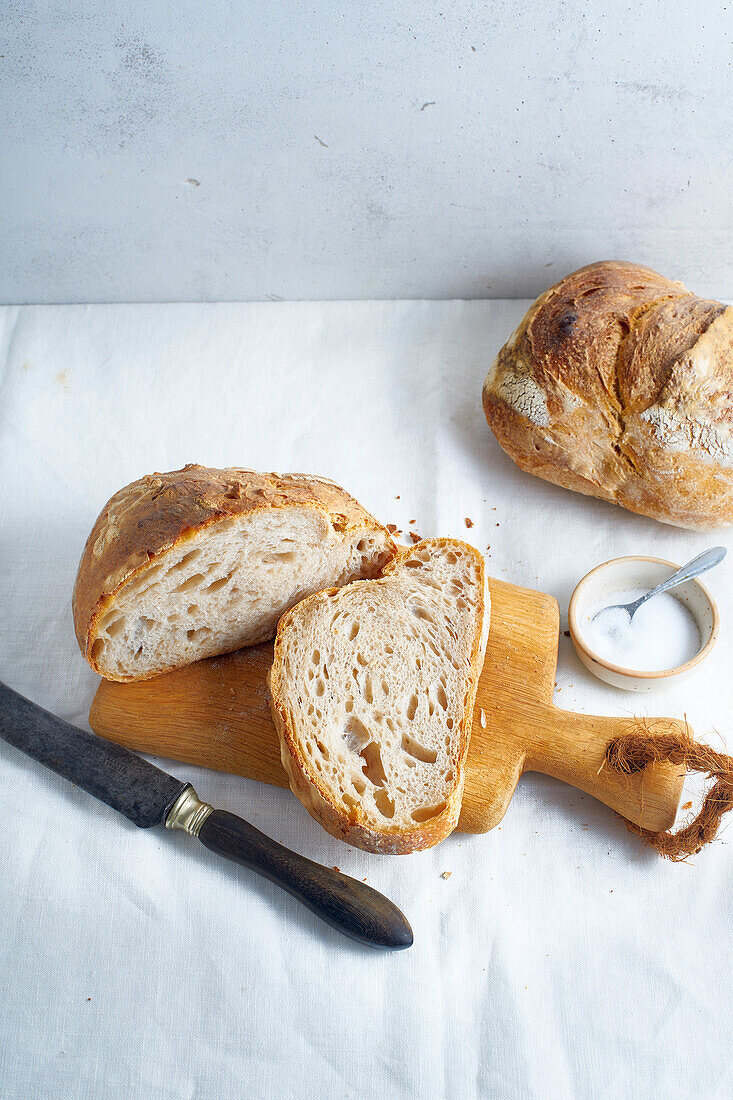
{"points": [[397, 148]]}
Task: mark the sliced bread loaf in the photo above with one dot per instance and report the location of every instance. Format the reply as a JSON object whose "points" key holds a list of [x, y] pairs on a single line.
{"points": [[372, 691], [196, 562]]}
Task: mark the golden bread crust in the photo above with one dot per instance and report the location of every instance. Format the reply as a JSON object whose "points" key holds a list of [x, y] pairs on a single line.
{"points": [[618, 383], [150, 516]]}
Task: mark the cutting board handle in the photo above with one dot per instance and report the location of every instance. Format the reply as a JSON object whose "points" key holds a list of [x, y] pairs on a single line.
{"points": [[572, 747]]}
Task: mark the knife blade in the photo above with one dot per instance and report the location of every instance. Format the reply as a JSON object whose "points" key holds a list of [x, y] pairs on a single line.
{"points": [[148, 796]]}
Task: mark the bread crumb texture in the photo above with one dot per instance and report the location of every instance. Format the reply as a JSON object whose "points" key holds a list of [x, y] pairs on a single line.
{"points": [[197, 562], [373, 687]]}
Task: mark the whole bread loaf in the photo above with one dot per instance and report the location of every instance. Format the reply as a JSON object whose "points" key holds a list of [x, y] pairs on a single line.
{"points": [[372, 688], [197, 562], [618, 383]]}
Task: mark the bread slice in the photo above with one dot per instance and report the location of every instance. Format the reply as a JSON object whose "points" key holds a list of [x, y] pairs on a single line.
{"points": [[196, 562], [372, 692]]}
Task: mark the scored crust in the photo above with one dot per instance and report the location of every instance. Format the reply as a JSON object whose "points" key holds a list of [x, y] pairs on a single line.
{"points": [[350, 822], [618, 383], [163, 511]]}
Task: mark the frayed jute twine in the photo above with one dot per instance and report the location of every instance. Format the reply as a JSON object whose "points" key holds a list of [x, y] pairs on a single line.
{"points": [[632, 752]]}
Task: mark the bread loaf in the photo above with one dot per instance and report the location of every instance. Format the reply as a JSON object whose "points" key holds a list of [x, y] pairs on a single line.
{"points": [[618, 383], [372, 689], [196, 562]]}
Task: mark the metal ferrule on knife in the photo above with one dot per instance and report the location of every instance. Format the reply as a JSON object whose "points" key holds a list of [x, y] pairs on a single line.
{"points": [[188, 813]]}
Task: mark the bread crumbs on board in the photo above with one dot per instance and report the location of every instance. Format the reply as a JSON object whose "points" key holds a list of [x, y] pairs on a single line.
{"points": [[414, 536], [446, 874], [468, 521]]}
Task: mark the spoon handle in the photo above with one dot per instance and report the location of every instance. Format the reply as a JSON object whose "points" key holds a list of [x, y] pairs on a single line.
{"points": [[694, 568]]}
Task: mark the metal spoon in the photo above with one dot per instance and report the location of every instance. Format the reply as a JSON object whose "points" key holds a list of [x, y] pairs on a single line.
{"points": [[694, 568]]}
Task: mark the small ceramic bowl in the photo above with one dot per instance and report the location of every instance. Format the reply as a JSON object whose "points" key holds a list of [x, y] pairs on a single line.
{"points": [[622, 574]]}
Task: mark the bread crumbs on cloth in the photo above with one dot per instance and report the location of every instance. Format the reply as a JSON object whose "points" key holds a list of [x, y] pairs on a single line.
{"points": [[446, 874]]}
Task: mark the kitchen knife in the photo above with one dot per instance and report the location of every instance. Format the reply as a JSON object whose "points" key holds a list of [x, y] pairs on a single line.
{"points": [[148, 796]]}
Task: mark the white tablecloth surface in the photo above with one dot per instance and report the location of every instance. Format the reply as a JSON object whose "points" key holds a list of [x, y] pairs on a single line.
{"points": [[560, 959]]}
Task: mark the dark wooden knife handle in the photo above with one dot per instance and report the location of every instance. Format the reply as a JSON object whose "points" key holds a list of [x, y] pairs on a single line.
{"points": [[351, 907]]}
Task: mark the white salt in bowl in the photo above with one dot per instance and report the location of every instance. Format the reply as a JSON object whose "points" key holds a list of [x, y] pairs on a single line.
{"points": [[604, 583]]}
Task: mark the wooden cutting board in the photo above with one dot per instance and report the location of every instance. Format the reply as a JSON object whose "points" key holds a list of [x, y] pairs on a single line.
{"points": [[215, 713]]}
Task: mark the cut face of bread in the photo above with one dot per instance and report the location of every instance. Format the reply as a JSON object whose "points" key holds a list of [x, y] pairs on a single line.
{"points": [[372, 690], [225, 587], [224, 582]]}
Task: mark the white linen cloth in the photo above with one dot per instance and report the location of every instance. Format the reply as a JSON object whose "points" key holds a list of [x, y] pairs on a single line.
{"points": [[560, 959]]}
